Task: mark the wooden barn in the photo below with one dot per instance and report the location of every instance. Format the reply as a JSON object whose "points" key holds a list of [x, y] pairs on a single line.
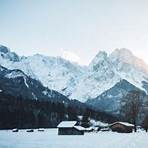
{"points": [[122, 127], [70, 128]]}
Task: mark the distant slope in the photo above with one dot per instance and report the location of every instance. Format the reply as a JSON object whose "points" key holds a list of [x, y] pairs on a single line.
{"points": [[110, 100], [16, 83]]}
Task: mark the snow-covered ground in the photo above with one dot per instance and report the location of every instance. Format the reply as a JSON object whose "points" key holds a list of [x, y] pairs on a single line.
{"points": [[50, 139]]}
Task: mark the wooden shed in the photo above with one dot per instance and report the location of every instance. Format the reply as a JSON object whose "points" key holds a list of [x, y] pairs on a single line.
{"points": [[70, 128], [122, 127]]}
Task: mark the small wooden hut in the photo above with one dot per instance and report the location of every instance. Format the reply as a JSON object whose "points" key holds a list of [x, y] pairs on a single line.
{"points": [[70, 128], [122, 127]]}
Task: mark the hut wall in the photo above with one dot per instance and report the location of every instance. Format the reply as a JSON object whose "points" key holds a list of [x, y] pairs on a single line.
{"points": [[121, 128], [69, 131]]}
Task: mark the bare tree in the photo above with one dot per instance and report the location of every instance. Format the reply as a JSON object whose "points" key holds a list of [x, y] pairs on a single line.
{"points": [[145, 123], [145, 113], [131, 107]]}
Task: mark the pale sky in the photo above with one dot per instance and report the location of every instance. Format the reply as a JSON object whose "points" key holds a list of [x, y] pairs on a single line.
{"points": [[74, 29]]}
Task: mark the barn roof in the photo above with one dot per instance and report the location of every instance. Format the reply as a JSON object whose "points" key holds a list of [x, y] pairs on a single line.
{"points": [[89, 128], [80, 128], [67, 124], [123, 123]]}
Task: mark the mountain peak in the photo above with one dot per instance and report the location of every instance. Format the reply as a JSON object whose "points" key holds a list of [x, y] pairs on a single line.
{"points": [[99, 58], [122, 53], [5, 53], [4, 49], [101, 55]]}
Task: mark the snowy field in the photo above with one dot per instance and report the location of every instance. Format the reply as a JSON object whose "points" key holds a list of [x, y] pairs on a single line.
{"points": [[50, 139]]}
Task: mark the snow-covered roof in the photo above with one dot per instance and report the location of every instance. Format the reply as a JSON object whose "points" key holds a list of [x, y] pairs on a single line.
{"points": [[98, 123], [80, 128], [124, 123], [67, 124], [89, 128], [80, 117]]}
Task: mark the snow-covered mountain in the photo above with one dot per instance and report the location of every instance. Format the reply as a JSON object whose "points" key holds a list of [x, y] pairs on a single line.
{"points": [[129, 67], [53, 72], [77, 82], [107, 70], [18, 84], [111, 100], [99, 77], [133, 74]]}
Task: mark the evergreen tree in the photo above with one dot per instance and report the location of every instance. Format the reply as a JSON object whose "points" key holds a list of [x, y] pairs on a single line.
{"points": [[86, 118]]}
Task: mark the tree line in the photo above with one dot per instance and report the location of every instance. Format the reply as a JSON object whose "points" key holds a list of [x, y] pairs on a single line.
{"points": [[17, 112]]}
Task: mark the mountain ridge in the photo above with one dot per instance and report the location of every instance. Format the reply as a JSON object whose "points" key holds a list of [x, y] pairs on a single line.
{"points": [[17, 83], [111, 100], [78, 82]]}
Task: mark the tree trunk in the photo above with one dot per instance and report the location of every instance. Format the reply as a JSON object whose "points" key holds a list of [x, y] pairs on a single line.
{"points": [[135, 127]]}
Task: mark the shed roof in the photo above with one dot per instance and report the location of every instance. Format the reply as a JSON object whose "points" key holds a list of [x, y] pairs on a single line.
{"points": [[89, 128], [80, 128], [123, 123], [67, 124]]}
